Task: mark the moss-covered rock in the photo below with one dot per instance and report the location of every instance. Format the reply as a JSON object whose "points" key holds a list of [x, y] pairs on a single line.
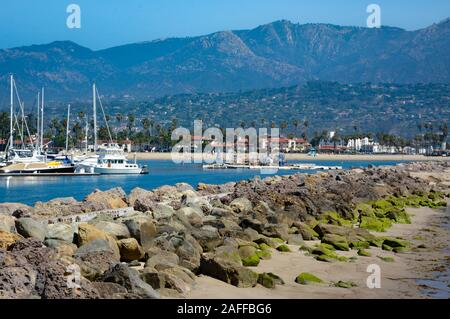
{"points": [[399, 216], [364, 253], [266, 281], [337, 241], [278, 240], [249, 256], [264, 246], [376, 224], [396, 242], [307, 278], [284, 248], [327, 255], [387, 247], [359, 244], [306, 231], [333, 218], [306, 248], [364, 209], [264, 254], [266, 240], [387, 259], [345, 284], [377, 242], [269, 280]]}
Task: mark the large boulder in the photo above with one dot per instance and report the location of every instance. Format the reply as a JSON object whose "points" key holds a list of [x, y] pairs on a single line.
{"points": [[63, 248], [110, 290], [158, 257], [7, 224], [162, 211], [87, 233], [94, 264], [129, 278], [65, 232], [249, 256], [98, 245], [177, 278], [191, 199], [229, 252], [9, 208], [189, 251], [117, 230], [227, 271], [111, 199], [28, 227], [143, 230], [241, 205], [130, 249], [7, 239], [208, 237], [31, 270]]}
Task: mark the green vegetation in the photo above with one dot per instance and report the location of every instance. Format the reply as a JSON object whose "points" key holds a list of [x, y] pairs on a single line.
{"points": [[345, 284], [284, 248], [307, 278]]}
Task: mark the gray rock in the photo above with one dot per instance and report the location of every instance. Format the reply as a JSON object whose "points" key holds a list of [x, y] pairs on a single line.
{"points": [[28, 227], [98, 245], [163, 211], [95, 264], [7, 224], [208, 237], [117, 230], [161, 257], [129, 278], [228, 272], [143, 230], [130, 249], [65, 232], [8, 209], [241, 205]]}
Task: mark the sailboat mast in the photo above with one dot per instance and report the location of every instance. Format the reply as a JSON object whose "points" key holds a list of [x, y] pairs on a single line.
{"points": [[86, 136], [67, 129], [11, 127], [42, 119], [95, 116], [38, 132]]}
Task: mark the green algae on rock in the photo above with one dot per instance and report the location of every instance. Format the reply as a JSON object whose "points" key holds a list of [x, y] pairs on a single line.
{"points": [[307, 278]]}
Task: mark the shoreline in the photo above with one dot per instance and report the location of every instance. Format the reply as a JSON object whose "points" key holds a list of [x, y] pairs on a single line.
{"points": [[189, 239], [320, 157], [399, 279]]}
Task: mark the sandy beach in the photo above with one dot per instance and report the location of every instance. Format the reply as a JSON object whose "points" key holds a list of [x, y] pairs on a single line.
{"points": [[398, 278], [320, 157]]}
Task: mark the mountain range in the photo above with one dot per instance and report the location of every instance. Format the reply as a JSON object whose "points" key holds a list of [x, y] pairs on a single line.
{"points": [[272, 55]]}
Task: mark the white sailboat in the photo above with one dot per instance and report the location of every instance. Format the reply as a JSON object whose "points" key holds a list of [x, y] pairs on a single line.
{"points": [[110, 158], [28, 160]]}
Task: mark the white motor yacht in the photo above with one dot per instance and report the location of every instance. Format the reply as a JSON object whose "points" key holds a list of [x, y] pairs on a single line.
{"points": [[111, 160]]}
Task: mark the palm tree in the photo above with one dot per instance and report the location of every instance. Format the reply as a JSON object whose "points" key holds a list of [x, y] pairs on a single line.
{"points": [[296, 123], [306, 124]]}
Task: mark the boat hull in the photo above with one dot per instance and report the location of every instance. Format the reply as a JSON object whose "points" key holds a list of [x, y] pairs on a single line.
{"points": [[117, 171], [56, 170]]}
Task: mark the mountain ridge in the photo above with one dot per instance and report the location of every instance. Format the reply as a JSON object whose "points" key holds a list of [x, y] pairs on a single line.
{"points": [[276, 54]]}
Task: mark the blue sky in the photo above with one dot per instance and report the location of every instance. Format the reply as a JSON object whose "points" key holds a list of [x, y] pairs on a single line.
{"points": [[107, 23]]}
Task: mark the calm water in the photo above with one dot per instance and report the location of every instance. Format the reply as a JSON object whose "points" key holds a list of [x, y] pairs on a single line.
{"points": [[29, 190]]}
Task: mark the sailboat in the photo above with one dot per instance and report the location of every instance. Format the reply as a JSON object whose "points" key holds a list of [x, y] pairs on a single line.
{"points": [[28, 160], [110, 158]]}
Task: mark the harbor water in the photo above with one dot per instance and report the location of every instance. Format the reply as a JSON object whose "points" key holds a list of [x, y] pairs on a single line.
{"points": [[29, 190]]}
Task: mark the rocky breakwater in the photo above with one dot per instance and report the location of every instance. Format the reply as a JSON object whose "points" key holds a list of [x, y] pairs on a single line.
{"points": [[175, 233]]}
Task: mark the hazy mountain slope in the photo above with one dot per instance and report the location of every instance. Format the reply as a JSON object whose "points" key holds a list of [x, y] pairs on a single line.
{"points": [[273, 55]]}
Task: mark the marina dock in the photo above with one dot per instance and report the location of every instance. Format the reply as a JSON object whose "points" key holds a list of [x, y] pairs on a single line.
{"points": [[273, 167]]}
